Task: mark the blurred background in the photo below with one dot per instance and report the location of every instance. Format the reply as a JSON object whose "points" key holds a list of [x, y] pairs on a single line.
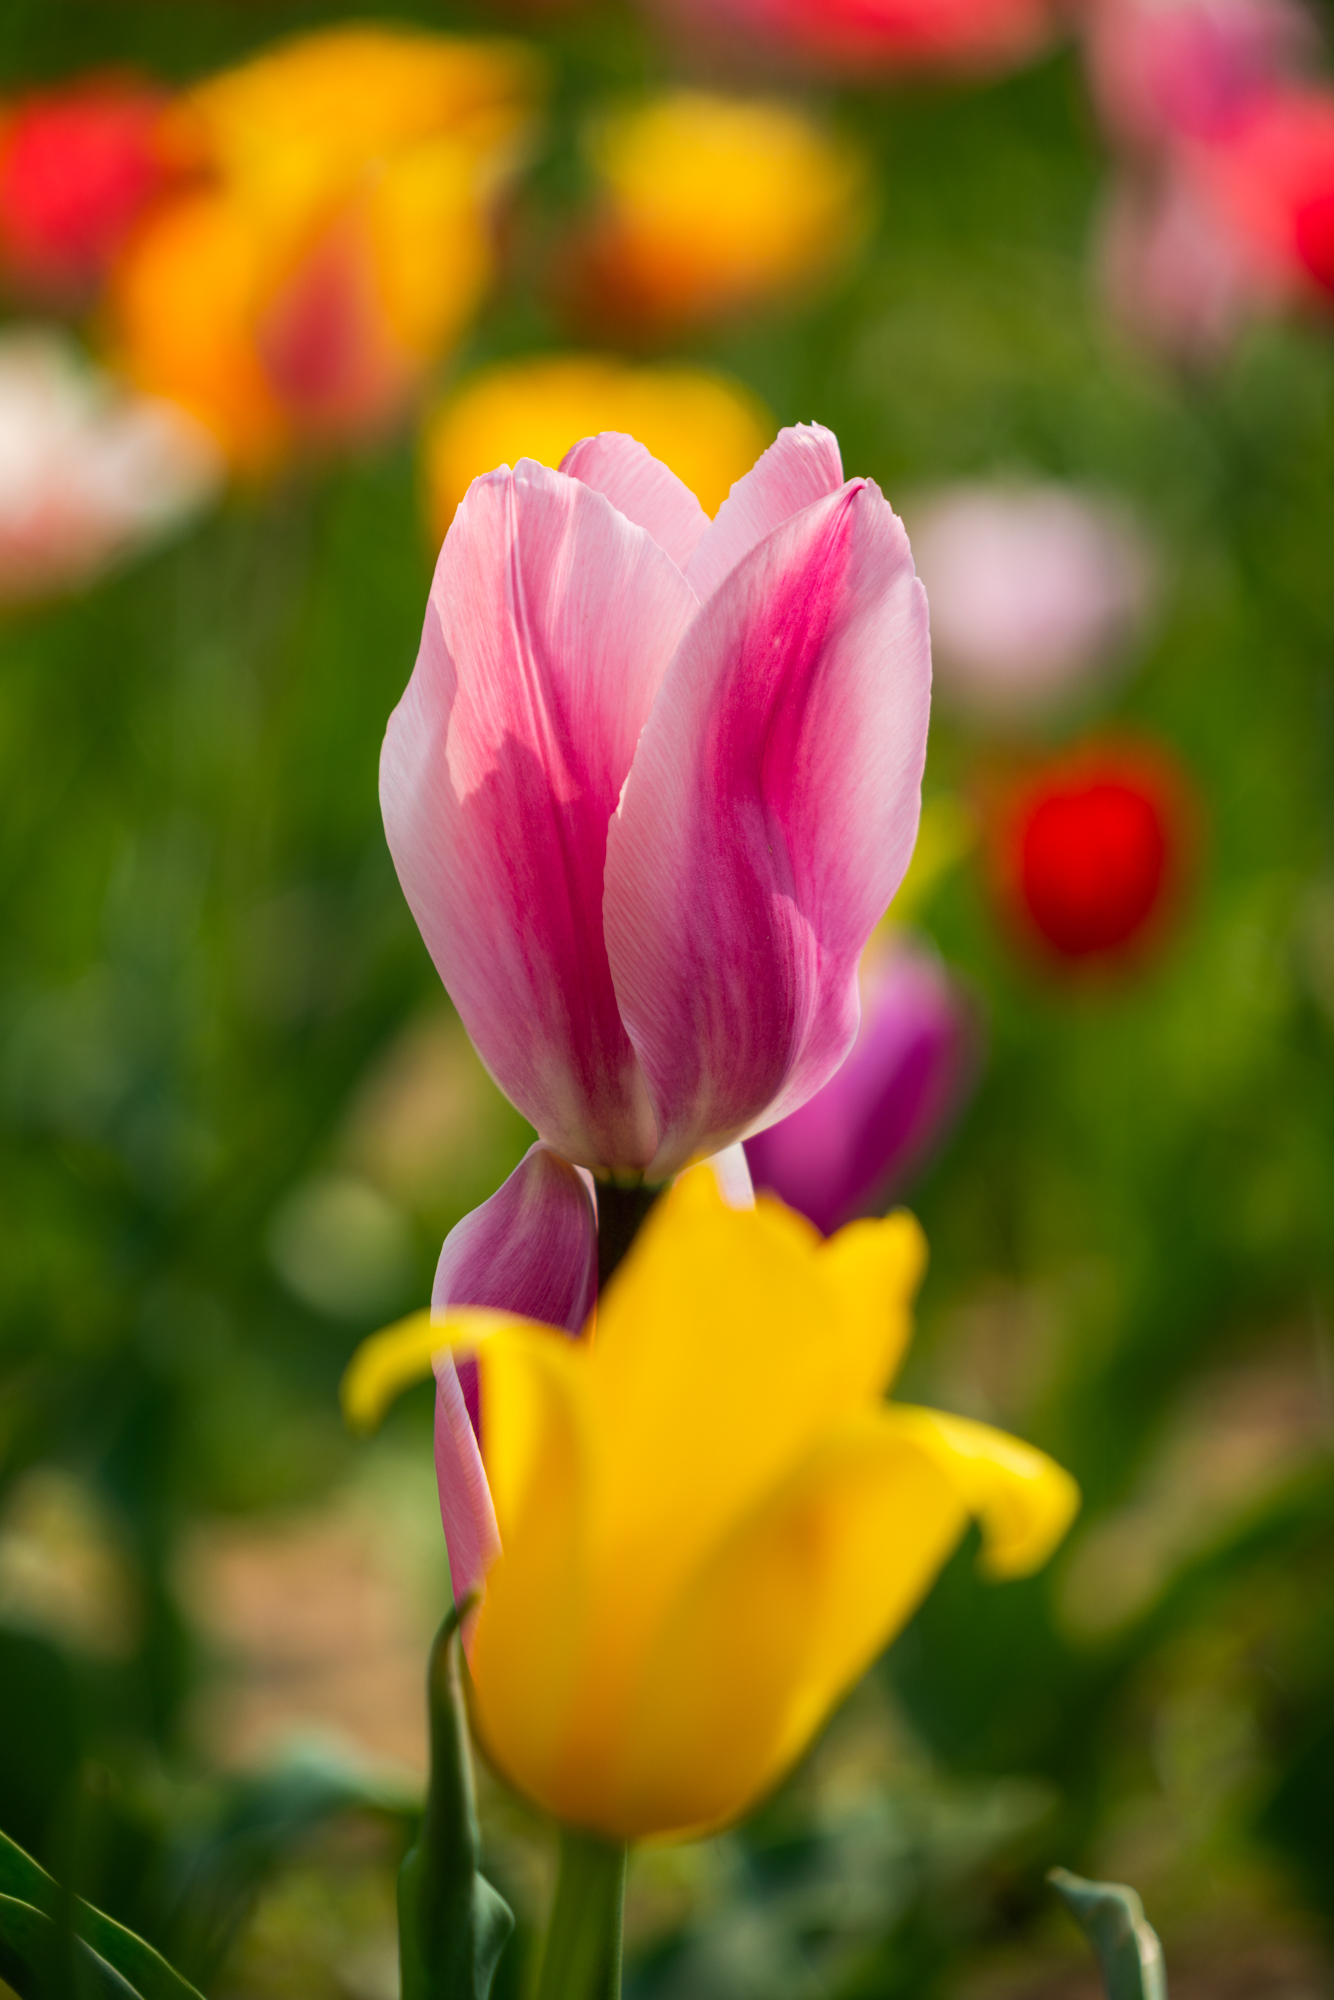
{"points": [[277, 283]]}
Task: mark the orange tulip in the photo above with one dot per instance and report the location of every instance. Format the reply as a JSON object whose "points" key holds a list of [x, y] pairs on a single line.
{"points": [[338, 240]]}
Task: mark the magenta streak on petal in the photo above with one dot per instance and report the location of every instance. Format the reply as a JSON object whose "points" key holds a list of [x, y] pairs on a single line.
{"points": [[801, 466], [642, 488], [857, 1143], [550, 624], [768, 818], [531, 1249]]}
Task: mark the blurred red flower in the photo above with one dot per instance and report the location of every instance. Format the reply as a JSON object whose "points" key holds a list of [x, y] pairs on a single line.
{"points": [[860, 37], [1093, 850], [78, 164]]}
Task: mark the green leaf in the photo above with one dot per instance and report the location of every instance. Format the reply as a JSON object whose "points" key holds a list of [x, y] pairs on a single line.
{"points": [[26, 1885], [452, 1924], [1112, 1918], [32, 1949]]}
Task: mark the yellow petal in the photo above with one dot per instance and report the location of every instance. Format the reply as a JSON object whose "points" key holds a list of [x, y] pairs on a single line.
{"points": [[529, 1649], [1023, 1499], [183, 303], [726, 1345], [392, 1360], [300, 123], [706, 427], [780, 1621], [876, 1268], [714, 201]]}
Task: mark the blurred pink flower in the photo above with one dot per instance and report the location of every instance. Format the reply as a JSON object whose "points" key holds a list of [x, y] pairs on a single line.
{"points": [[854, 37], [858, 1142], [1033, 590], [87, 470], [1171, 268], [1168, 70], [1272, 183]]}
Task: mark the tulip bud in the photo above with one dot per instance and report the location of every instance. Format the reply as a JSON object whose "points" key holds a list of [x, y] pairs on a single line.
{"points": [[858, 1142]]}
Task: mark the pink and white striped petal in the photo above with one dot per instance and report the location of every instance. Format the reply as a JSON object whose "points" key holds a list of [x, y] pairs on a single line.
{"points": [[531, 1249], [801, 466], [642, 488], [550, 624], [767, 821]]}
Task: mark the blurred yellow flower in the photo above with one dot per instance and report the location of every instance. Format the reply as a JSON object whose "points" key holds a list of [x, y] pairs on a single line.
{"points": [[708, 205], [337, 235], [711, 1523], [708, 428]]}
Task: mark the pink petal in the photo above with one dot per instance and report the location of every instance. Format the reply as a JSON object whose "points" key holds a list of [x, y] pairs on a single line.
{"points": [[531, 1249], [801, 466], [643, 489], [767, 822], [550, 624], [466, 1513]]}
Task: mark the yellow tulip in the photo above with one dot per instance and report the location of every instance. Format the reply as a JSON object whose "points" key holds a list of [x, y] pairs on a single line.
{"points": [[708, 428], [709, 204], [337, 237], [711, 1523]]}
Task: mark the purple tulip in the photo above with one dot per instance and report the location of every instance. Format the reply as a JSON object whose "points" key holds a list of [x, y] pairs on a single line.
{"points": [[857, 1142]]}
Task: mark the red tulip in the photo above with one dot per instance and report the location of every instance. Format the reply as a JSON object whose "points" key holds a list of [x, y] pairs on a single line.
{"points": [[1093, 850], [78, 165]]}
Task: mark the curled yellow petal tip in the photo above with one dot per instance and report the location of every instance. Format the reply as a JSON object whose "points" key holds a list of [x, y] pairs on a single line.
{"points": [[386, 1364], [390, 1361], [1023, 1501]]}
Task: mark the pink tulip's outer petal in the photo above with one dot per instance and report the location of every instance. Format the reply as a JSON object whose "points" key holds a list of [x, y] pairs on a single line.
{"points": [[768, 820], [642, 488], [466, 1513], [801, 466], [551, 621], [531, 1249]]}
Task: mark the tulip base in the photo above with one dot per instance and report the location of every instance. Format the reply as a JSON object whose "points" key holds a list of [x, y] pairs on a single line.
{"points": [[582, 1960]]}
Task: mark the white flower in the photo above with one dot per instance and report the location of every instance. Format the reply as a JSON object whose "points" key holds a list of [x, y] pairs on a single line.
{"points": [[1034, 590], [88, 469]]}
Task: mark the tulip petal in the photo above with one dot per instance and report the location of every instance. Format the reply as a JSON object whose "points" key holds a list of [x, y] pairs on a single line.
{"points": [[783, 1618], [550, 624], [801, 466], [531, 1249], [767, 820], [527, 1647], [642, 488], [697, 1418], [1023, 1499], [796, 1602]]}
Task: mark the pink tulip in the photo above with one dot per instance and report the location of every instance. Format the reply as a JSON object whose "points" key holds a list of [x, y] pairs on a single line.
{"points": [[1163, 71], [653, 782], [851, 37], [1172, 269], [858, 1142]]}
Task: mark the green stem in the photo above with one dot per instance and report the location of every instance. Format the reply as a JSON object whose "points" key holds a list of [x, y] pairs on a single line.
{"points": [[582, 1960]]}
